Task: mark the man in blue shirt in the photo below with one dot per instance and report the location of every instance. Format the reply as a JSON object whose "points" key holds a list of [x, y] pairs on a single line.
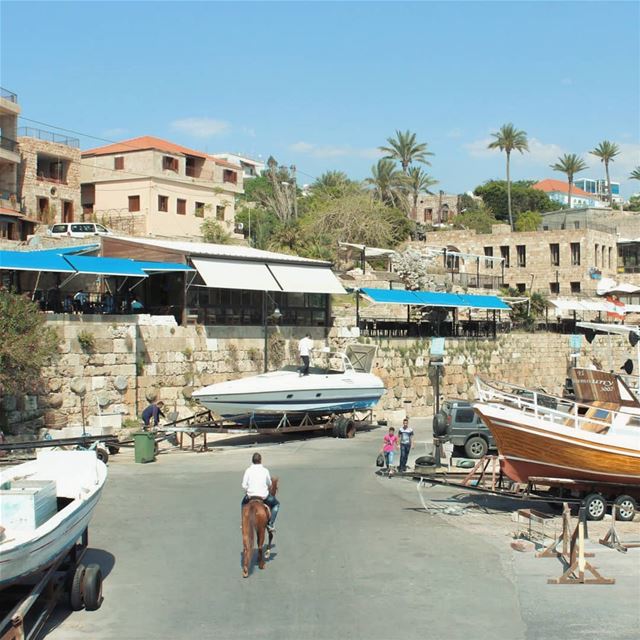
{"points": [[152, 413]]}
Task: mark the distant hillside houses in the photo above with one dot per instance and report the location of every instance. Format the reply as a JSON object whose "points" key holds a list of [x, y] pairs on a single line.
{"points": [[558, 191]]}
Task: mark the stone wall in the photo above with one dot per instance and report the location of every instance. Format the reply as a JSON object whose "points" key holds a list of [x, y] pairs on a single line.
{"points": [[119, 366]]}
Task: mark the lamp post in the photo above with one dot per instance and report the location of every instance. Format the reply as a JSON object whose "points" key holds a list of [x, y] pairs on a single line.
{"points": [[276, 315]]}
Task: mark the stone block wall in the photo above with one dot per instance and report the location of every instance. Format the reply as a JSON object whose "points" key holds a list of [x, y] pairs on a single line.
{"points": [[116, 367]]}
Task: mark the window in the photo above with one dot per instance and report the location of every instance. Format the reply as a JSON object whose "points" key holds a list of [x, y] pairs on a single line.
{"points": [[134, 203], [521, 287], [575, 287], [118, 163], [504, 254], [163, 203], [521, 252], [596, 255], [554, 251], [220, 212], [610, 250], [576, 224], [181, 207], [428, 214], [170, 164], [488, 251], [199, 210], [465, 415], [575, 254], [67, 211], [554, 287], [229, 176], [604, 254], [43, 207]]}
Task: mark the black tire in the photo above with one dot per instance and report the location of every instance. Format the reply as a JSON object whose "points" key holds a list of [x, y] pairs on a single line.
{"points": [[595, 505], [627, 508], [424, 461], [350, 429], [341, 426], [113, 449], [476, 447], [92, 587], [76, 600], [439, 425], [335, 430], [102, 454]]}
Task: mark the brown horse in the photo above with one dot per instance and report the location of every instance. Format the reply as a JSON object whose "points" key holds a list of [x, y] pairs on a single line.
{"points": [[255, 517]]}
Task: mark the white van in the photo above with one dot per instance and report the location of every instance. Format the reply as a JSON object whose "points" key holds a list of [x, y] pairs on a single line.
{"points": [[79, 229]]}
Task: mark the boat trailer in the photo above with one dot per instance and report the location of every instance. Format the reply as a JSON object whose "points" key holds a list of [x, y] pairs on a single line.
{"points": [[26, 606]]}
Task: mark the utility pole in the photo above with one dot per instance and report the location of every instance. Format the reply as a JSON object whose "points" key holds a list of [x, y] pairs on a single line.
{"points": [[294, 189]]}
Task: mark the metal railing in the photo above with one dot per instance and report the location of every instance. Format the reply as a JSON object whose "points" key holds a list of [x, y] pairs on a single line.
{"points": [[8, 144], [8, 95], [49, 136]]}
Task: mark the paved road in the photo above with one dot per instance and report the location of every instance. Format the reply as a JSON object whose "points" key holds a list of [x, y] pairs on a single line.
{"points": [[354, 559]]}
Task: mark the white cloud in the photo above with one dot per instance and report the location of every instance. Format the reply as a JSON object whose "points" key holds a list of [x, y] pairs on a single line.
{"points": [[456, 132], [201, 127], [116, 132], [333, 151], [628, 159], [539, 152]]}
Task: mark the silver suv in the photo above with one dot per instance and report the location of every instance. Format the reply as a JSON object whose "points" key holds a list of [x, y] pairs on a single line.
{"points": [[464, 428]]}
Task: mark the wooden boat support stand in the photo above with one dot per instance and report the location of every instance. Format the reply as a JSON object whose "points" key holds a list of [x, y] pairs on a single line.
{"points": [[573, 554]]}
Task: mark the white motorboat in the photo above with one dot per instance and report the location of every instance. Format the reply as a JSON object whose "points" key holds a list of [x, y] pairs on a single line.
{"points": [[327, 390], [45, 506]]}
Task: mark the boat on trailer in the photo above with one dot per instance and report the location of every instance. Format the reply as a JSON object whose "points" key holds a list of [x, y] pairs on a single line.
{"points": [[344, 385], [539, 435], [45, 508]]}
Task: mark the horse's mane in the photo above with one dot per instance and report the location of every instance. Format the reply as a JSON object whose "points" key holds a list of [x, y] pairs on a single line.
{"points": [[274, 486]]}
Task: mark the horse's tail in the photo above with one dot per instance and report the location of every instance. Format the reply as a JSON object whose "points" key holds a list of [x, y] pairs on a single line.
{"points": [[251, 526]]}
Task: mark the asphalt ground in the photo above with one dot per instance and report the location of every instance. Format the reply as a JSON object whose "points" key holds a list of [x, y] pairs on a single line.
{"points": [[356, 556]]}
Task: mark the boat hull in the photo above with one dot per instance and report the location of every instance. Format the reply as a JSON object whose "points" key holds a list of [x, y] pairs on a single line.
{"points": [[19, 560], [266, 398], [530, 450]]}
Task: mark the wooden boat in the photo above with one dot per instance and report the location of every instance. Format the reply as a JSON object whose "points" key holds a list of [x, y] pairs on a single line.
{"points": [[45, 506], [539, 435]]}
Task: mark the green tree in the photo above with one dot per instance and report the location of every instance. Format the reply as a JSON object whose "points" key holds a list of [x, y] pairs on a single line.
{"points": [[570, 164], [523, 198], [387, 182], [509, 139], [528, 221], [406, 150], [27, 344], [419, 182], [212, 231], [606, 151], [634, 204], [635, 174], [479, 219], [258, 224]]}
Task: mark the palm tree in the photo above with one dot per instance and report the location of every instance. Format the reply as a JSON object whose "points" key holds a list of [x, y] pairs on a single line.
{"points": [[570, 164], [508, 139], [388, 183], [635, 174], [418, 182], [406, 150], [606, 151]]}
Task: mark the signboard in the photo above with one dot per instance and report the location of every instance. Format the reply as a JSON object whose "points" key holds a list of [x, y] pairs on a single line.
{"points": [[591, 385]]}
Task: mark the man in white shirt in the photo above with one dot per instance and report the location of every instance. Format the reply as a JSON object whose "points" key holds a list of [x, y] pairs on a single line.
{"points": [[256, 483], [305, 346]]}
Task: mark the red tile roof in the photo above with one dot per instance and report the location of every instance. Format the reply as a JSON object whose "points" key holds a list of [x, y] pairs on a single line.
{"points": [[225, 163], [558, 186], [141, 144]]}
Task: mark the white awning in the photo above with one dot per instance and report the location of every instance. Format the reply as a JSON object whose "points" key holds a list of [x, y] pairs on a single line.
{"points": [[306, 279], [235, 274]]}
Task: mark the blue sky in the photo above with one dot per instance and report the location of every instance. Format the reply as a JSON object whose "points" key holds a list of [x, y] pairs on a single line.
{"points": [[322, 85]]}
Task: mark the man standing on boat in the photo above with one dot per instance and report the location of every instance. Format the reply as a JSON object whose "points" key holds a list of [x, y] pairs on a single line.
{"points": [[305, 346]]}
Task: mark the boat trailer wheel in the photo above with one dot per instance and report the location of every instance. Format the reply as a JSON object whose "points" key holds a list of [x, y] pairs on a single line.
{"points": [[626, 508], [595, 505], [86, 588], [75, 591], [344, 427]]}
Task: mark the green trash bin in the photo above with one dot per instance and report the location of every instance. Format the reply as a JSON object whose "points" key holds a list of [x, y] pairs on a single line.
{"points": [[145, 446]]}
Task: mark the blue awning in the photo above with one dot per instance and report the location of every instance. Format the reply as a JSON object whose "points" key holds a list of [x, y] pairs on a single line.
{"points": [[62, 251], [34, 261], [435, 299], [106, 266]]}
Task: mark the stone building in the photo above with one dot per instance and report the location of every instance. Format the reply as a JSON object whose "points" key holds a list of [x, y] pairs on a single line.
{"points": [[553, 261], [436, 209], [49, 176], [14, 223], [149, 186]]}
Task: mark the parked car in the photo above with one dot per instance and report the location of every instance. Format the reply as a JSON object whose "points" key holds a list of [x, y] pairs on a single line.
{"points": [[464, 428], [79, 229]]}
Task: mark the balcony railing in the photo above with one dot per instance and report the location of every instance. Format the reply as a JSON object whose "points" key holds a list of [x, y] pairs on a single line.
{"points": [[49, 136], [8, 144], [8, 95]]}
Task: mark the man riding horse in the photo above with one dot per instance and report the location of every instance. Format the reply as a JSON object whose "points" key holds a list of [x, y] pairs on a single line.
{"points": [[256, 484]]}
